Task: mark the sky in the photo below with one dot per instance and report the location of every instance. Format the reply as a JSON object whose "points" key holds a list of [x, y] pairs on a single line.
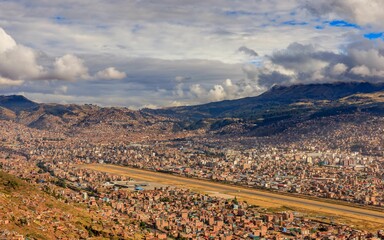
{"points": [[162, 53]]}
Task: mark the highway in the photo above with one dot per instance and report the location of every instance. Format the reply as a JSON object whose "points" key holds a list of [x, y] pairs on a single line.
{"points": [[244, 193]]}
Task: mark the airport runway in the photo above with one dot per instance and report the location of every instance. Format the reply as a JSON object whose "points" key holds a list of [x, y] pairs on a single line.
{"points": [[244, 193]]}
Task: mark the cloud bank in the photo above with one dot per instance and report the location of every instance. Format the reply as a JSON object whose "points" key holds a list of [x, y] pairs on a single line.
{"points": [[163, 53], [357, 11], [19, 63]]}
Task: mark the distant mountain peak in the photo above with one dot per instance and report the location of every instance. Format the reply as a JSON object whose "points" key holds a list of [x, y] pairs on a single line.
{"points": [[14, 97], [318, 91], [17, 103], [277, 98]]}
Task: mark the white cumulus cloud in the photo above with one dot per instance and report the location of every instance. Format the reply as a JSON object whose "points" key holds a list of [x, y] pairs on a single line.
{"points": [[70, 67], [111, 73], [16, 62], [6, 41], [19, 63], [339, 69]]}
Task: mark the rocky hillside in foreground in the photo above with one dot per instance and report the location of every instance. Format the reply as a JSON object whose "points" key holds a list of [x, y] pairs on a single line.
{"points": [[28, 211]]}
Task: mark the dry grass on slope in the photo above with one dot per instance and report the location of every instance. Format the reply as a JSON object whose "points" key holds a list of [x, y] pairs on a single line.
{"points": [[37, 215]]}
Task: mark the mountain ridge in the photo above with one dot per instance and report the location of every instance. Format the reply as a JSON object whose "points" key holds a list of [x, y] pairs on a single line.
{"points": [[281, 105], [278, 95], [17, 103]]}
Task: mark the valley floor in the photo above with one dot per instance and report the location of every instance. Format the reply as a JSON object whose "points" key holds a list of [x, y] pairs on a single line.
{"points": [[316, 208]]}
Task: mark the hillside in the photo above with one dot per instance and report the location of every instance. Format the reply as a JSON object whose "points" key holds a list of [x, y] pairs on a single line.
{"points": [[17, 103], [277, 98], [26, 210], [73, 118], [281, 105]]}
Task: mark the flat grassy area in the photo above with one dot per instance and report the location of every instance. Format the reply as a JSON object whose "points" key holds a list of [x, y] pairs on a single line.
{"points": [[323, 211]]}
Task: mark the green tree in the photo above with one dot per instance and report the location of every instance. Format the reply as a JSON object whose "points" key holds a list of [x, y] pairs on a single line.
{"points": [[61, 183], [143, 225]]}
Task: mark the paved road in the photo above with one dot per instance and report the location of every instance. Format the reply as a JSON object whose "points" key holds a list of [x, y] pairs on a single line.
{"points": [[235, 190]]}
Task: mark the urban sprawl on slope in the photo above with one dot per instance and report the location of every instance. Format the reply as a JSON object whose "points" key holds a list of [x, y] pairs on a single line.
{"points": [[343, 160]]}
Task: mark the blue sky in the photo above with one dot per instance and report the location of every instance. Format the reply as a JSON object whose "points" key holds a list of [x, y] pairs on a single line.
{"points": [[149, 53]]}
